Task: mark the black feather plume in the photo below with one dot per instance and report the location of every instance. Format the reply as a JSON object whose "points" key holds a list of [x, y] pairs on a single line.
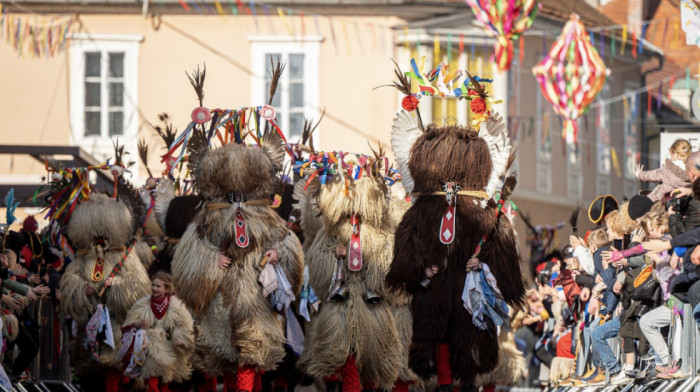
{"points": [[197, 80], [275, 73], [143, 154], [573, 220]]}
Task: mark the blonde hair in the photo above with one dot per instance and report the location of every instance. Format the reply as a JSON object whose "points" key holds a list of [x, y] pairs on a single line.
{"points": [[658, 221], [621, 222], [657, 208], [11, 255], [598, 238], [681, 147], [165, 278]]}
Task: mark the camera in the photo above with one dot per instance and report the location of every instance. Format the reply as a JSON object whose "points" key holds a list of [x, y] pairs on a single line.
{"points": [[543, 277], [675, 204]]}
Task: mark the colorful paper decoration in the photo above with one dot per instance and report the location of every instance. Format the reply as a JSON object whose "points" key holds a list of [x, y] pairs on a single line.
{"points": [[506, 20], [33, 39], [571, 75]]}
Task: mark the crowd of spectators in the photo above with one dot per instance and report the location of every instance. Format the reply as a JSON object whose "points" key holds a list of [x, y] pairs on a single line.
{"points": [[606, 309]]}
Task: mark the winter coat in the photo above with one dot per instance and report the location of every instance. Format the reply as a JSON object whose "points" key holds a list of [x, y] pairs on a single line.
{"points": [[165, 359], [687, 219], [669, 176]]}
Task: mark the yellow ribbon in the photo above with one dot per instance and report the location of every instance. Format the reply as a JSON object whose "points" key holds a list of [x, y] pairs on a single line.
{"points": [[616, 163], [406, 44], [284, 20], [218, 7], [436, 50], [624, 39]]}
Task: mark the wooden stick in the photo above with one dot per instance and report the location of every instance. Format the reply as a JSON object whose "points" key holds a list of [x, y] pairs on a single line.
{"points": [[263, 262]]}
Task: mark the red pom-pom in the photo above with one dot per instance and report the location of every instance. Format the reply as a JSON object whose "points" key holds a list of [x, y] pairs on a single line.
{"points": [[478, 105], [409, 103]]}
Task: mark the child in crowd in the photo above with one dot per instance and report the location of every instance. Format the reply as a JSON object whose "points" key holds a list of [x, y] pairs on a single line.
{"points": [[158, 338], [671, 174]]}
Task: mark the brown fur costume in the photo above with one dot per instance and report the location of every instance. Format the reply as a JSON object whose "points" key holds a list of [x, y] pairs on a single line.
{"points": [[511, 362], [165, 359], [111, 220], [373, 331], [235, 324], [460, 155]]}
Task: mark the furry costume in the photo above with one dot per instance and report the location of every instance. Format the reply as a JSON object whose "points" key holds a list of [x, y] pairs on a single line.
{"points": [[165, 360], [236, 328], [475, 162], [360, 325], [101, 217], [511, 363]]}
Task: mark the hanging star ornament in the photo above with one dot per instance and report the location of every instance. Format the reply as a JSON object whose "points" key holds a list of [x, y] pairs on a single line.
{"points": [[571, 75]]}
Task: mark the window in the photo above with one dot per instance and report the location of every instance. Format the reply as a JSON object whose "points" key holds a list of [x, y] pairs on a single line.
{"points": [[297, 93], [104, 91], [603, 136], [543, 137], [104, 78], [631, 105], [574, 177]]}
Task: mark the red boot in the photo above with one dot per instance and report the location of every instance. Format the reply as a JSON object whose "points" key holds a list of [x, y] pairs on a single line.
{"points": [[257, 385], [229, 382]]}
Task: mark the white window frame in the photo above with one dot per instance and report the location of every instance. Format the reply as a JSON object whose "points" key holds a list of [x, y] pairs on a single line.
{"points": [[100, 146], [310, 47]]}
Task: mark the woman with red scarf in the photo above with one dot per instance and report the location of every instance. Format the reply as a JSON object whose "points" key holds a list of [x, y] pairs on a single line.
{"points": [[158, 337]]}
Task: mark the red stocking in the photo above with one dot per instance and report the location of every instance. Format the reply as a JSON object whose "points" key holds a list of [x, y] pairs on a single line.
{"points": [[400, 386], [152, 384], [112, 378], [245, 380], [229, 383], [210, 384], [333, 377], [257, 385], [350, 376], [442, 362], [281, 382], [164, 387]]}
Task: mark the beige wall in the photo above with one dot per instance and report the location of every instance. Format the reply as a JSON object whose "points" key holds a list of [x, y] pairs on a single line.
{"points": [[35, 98], [34, 102]]}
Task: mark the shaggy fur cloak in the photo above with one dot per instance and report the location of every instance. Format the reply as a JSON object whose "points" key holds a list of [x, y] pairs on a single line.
{"points": [[109, 219], [165, 359], [374, 330], [235, 324], [440, 155]]}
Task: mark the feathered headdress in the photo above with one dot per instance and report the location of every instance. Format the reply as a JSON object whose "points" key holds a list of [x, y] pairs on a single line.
{"points": [[406, 128], [223, 126], [11, 206]]}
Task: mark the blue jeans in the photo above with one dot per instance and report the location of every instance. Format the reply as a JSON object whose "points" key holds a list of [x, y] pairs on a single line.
{"points": [[599, 335], [696, 313]]}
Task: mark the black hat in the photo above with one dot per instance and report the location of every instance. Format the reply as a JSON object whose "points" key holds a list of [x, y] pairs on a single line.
{"points": [[638, 206], [601, 206]]}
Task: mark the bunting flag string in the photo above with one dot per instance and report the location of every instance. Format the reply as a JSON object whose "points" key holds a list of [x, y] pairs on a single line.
{"points": [[33, 38]]}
